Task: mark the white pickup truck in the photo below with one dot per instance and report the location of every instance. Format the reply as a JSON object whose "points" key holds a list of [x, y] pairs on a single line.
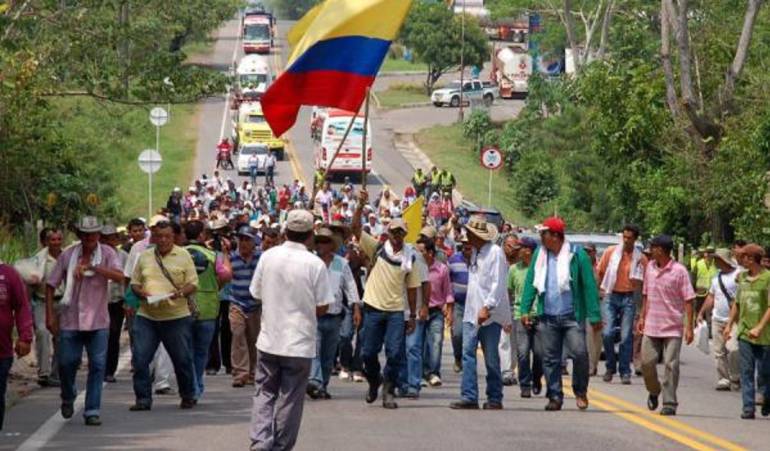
{"points": [[473, 90]]}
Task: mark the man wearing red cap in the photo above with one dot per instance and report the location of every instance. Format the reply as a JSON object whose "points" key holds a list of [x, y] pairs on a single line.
{"points": [[561, 281]]}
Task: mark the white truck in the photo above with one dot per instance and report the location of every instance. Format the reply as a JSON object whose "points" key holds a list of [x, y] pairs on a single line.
{"points": [[252, 78], [511, 69], [473, 91]]}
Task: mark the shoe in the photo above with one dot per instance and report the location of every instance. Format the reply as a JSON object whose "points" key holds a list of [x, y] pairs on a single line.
{"points": [[110, 379], [212, 372], [507, 380], [652, 402], [344, 375], [464, 405], [625, 380], [164, 391], [67, 410], [526, 393], [722, 385], [358, 377], [325, 395], [187, 404], [766, 408], [43, 381], [607, 377], [748, 416], [735, 386], [553, 405], [434, 381], [93, 420], [581, 402], [423, 382], [492, 406], [313, 391], [668, 411], [411, 395], [237, 384], [374, 387], [537, 388], [593, 373], [638, 372], [388, 397], [139, 407], [458, 366], [564, 371]]}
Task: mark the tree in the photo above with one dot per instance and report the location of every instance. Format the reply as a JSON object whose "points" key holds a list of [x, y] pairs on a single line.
{"points": [[292, 9], [434, 33]]}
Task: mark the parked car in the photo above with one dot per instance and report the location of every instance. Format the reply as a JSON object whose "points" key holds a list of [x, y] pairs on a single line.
{"points": [[473, 90], [246, 151]]}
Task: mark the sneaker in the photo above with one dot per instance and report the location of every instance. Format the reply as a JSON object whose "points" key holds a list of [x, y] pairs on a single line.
{"points": [[313, 391], [424, 382], [607, 377], [67, 410], [490, 405], [434, 381], [344, 375], [723, 385], [553, 405], [164, 391], [458, 367], [625, 380], [508, 380], [748, 415], [212, 372], [464, 405], [668, 411], [526, 393], [652, 402], [358, 377], [93, 420]]}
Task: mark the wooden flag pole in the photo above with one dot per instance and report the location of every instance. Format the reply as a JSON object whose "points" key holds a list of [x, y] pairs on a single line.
{"points": [[344, 137], [363, 141]]}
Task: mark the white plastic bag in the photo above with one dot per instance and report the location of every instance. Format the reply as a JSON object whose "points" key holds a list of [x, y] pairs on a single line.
{"points": [[29, 270], [701, 337]]}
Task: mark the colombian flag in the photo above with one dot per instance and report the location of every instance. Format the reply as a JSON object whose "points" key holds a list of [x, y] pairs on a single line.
{"points": [[337, 50]]}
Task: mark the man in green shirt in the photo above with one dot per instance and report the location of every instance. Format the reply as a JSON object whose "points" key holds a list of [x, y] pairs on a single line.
{"points": [[530, 370], [751, 311]]}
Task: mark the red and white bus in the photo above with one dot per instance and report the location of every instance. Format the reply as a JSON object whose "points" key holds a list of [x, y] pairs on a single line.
{"points": [[257, 34], [332, 123]]}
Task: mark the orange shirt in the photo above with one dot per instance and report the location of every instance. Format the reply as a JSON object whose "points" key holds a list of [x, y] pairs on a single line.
{"points": [[623, 282]]}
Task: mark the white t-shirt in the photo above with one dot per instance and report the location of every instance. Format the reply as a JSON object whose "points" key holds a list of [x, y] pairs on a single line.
{"points": [[291, 282], [721, 310], [421, 266]]}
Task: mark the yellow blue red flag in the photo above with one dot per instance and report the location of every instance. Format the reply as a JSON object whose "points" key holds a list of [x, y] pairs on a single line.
{"points": [[412, 216], [338, 48]]}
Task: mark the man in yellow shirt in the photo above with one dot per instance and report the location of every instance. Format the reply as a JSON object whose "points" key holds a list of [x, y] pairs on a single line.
{"points": [[390, 277], [164, 277]]}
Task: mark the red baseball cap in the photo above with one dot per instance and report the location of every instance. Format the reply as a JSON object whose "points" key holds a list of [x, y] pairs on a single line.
{"points": [[552, 224]]}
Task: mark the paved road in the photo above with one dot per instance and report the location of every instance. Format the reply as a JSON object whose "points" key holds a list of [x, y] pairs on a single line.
{"points": [[616, 420]]}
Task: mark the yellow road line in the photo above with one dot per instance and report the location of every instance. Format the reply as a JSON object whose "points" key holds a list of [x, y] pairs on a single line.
{"points": [[670, 422]]}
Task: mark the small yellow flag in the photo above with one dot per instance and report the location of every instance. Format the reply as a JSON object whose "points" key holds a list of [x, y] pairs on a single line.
{"points": [[412, 216]]}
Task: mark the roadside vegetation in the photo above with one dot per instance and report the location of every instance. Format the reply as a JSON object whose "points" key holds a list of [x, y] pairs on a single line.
{"points": [[399, 95]]}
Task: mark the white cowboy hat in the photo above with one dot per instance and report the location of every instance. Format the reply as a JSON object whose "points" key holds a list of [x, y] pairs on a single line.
{"points": [[479, 226]]}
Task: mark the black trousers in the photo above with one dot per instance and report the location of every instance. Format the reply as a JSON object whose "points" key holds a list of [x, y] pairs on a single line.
{"points": [[117, 314], [219, 351]]}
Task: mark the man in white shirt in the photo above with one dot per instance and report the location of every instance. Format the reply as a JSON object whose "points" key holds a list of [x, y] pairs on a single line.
{"points": [[487, 311], [269, 167], [720, 298], [293, 286]]}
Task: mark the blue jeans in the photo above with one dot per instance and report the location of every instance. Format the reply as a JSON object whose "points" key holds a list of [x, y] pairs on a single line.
{"points": [[754, 358], [411, 368], [489, 337], [202, 336], [528, 342], [350, 356], [622, 305], [457, 331], [327, 339], [559, 334], [434, 342], [71, 344], [176, 336], [382, 328], [253, 175], [5, 369]]}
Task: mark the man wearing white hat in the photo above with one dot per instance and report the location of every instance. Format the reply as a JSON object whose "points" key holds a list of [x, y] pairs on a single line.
{"points": [[293, 287], [487, 311]]}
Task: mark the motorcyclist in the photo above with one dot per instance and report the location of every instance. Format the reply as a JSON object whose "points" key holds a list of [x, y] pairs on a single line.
{"points": [[224, 153]]}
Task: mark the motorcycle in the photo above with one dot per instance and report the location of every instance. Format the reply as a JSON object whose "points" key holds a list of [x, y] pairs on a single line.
{"points": [[224, 159]]}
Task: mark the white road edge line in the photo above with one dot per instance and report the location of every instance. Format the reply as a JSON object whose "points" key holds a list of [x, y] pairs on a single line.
{"points": [[48, 430], [229, 92]]}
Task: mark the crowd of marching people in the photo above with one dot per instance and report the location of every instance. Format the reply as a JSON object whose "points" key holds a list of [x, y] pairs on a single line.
{"points": [[284, 287]]}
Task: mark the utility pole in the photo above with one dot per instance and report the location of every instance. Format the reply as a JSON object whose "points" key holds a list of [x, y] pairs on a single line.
{"points": [[461, 113]]}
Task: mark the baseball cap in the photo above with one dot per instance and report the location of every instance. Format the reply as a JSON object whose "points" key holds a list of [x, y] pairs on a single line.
{"points": [[528, 242], [299, 221], [247, 232], [552, 224]]}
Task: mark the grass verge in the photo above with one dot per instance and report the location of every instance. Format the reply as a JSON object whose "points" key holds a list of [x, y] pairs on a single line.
{"points": [[402, 65], [448, 148], [398, 95]]}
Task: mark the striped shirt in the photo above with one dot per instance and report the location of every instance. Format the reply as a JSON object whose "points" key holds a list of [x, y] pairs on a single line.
{"points": [[243, 272], [667, 289], [458, 274]]}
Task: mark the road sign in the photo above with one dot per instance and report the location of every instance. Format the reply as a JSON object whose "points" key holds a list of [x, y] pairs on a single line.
{"points": [[158, 116], [150, 161], [491, 158]]}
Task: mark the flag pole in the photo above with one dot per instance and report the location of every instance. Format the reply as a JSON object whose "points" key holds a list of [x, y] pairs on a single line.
{"points": [[363, 141], [344, 138]]}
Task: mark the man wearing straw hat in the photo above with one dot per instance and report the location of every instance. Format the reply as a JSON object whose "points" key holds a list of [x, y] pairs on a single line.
{"points": [[487, 311]]}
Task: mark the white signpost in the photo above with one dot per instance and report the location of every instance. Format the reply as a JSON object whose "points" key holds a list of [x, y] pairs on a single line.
{"points": [[150, 162], [492, 159]]}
